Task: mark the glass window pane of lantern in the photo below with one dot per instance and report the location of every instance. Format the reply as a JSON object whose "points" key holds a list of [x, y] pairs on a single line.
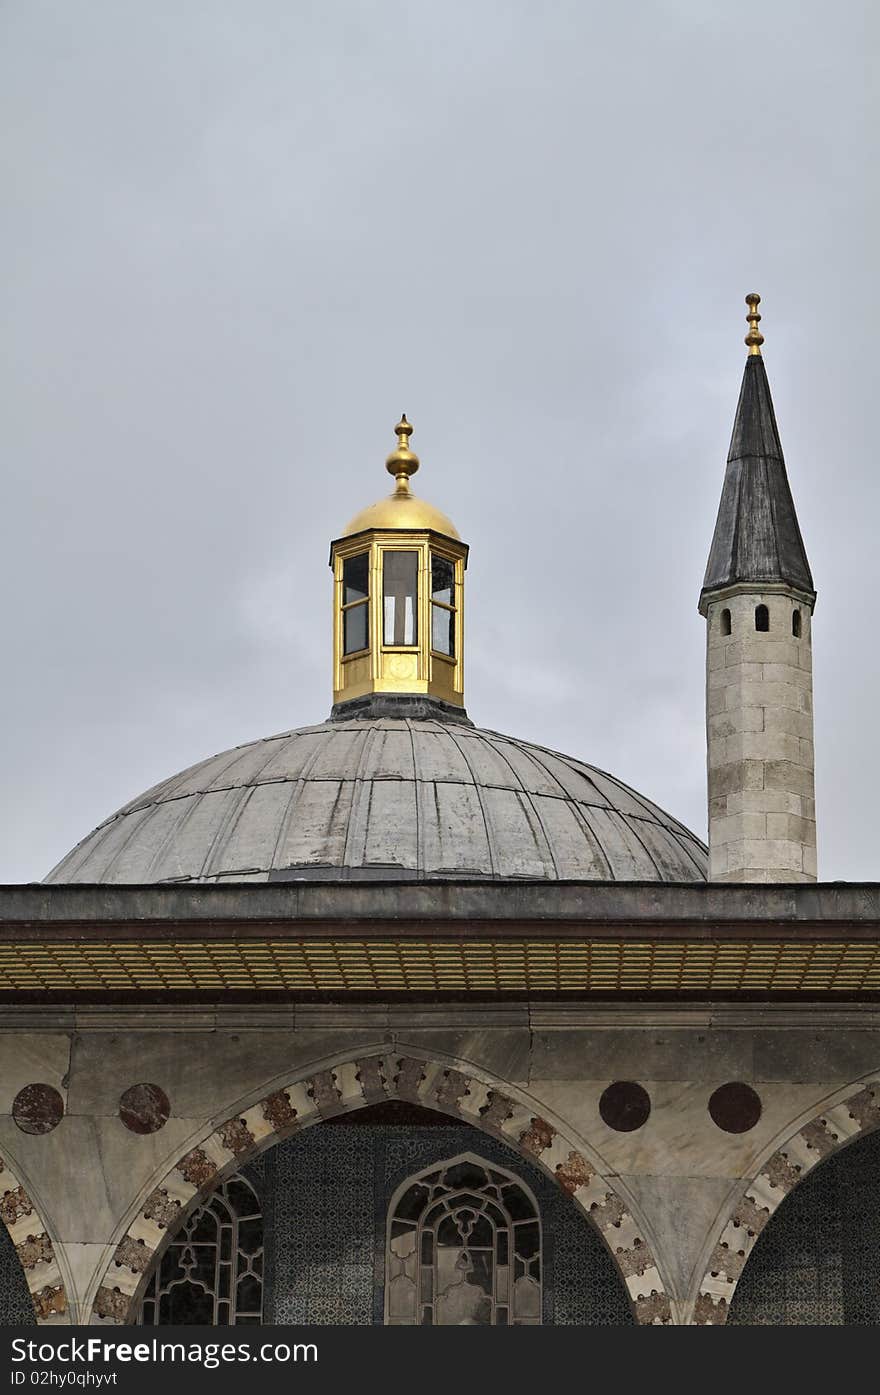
{"points": [[443, 630], [355, 628], [400, 581], [355, 578], [442, 580]]}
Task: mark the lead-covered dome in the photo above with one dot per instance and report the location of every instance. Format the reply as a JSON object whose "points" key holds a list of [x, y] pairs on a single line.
{"points": [[387, 799]]}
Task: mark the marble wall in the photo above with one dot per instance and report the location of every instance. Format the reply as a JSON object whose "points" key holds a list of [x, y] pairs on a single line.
{"points": [[679, 1199]]}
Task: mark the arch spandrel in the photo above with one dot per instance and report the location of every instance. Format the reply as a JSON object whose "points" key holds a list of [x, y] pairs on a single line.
{"points": [[853, 1116], [494, 1107], [33, 1245]]}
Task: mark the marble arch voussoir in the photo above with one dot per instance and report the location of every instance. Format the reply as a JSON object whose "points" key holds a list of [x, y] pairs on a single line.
{"points": [[827, 1132], [33, 1245], [351, 1085]]}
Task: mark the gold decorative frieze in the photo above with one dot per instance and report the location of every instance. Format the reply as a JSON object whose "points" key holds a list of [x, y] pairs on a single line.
{"points": [[485, 965]]}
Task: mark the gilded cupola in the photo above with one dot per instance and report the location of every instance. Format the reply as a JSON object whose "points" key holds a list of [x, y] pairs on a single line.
{"points": [[398, 623]]}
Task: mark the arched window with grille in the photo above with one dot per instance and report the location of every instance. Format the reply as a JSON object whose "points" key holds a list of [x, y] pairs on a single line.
{"points": [[211, 1272], [463, 1248]]}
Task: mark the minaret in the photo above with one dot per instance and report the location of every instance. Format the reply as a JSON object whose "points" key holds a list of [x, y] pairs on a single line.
{"points": [[758, 600], [398, 626]]}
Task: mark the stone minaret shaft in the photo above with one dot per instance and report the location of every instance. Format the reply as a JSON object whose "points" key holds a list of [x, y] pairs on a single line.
{"points": [[758, 600]]}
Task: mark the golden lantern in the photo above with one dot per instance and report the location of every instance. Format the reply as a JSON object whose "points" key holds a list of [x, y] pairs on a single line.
{"points": [[398, 623]]}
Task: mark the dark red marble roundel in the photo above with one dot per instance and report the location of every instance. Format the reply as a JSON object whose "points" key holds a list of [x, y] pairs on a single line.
{"points": [[735, 1107], [38, 1108], [625, 1106], [144, 1108]]}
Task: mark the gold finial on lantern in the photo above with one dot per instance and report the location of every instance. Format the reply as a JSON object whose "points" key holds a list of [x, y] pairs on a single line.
{"points": [[754, 339], [402, 462]]}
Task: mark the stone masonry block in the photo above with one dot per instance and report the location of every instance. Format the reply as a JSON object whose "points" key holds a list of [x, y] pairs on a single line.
{"points": [[735, 859], [761, 649], [718, 863], [556, 1154], [761, 745], [625, 1235], [839, 1121], [518, 1122], [472, 1104], [126, 1280], [765, 802], [734, 720], [764, 860], [215, 1149], [348, 1084], [737, 1239], [791, 828], [147, 1230], [777, 853], [766, 1194], [20, 1229], [736, 674], [594, 1198], [739, 826], [778, 695], [788, 775], [789, 674], [649, 1281], [45, 1275], [432, 1082], [723, 678], [770, 876], [258, 1125], [800, 1155], [177, 1187], [301, 1101], [787, 719], [739, 775]]}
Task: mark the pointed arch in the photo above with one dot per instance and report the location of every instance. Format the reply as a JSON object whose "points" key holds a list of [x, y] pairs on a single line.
{"points": [[829, 1131], [33, 1245], [354, 1084]]}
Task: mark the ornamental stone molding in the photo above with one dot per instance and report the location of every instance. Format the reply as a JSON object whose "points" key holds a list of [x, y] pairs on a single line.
{"points": [[369, 1079], [829, 1131], [33, 1245]]}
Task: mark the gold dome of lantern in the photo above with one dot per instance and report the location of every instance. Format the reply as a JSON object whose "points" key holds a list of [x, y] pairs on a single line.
{"points": [[402, 510]]}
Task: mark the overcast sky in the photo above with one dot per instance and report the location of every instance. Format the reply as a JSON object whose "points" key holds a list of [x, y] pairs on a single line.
{"points": [[239, 237]]}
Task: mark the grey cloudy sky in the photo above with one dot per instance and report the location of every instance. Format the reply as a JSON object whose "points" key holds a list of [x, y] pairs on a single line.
{"points": [[240, 236]]}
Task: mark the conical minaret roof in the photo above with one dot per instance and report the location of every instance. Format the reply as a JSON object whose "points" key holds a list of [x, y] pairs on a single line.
{"points": [[757, 537]]}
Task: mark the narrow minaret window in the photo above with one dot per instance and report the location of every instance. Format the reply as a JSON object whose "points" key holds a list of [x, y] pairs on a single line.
{"points": [[759, 690], [398, 573]]}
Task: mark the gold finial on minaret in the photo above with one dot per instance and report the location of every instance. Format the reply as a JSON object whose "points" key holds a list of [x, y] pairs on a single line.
{"points": [[754, 339], [402, 462]]}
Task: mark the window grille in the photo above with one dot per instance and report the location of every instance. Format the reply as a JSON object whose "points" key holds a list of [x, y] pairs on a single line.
{"points": [[211, 1273], [463, 1248]]}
